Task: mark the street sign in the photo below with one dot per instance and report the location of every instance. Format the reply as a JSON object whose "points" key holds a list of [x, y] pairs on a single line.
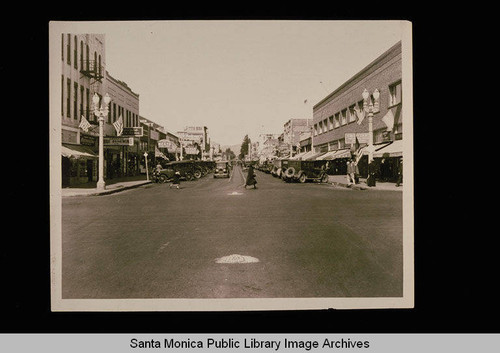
{"points": [[350, 138], [118, 141], [136, 131]]}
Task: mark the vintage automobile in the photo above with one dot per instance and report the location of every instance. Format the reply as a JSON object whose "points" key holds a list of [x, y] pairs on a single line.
{"points": [[222, 169], [302, 171], [188, 170], [277, 169]]}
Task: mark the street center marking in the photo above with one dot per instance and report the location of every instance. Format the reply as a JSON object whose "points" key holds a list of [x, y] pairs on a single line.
{"points": [[236, 259], [236, 193]]}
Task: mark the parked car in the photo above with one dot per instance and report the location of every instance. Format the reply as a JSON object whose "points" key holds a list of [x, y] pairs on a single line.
{"points": [[188, 170], [222, 169], [304, 170], [277, 167]]}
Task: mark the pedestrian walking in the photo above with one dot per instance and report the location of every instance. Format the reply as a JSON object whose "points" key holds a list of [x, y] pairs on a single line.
{"points": [[400, 172], [356, 171], [176, 182], [350, 172], [250, 178]]}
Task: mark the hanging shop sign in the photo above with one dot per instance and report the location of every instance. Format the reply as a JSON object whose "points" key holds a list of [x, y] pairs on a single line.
{"points": [[118, 141], [350, 138], [154, 135], [191, 150], [133, 131], [363, 137], [88, 140]]}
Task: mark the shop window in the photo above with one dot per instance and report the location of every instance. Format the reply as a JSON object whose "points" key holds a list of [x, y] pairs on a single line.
{"points": [[395, 94]]}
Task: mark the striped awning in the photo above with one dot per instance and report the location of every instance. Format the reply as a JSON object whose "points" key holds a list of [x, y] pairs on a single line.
{"points": [[77, 151], [314, 156]]}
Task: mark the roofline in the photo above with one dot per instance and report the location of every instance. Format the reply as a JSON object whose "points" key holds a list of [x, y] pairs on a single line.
{"points": [[360, 73], [121, 83]]}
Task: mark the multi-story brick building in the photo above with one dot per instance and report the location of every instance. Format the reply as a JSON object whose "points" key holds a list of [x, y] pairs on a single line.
{"points": [[292, 130], [121, 159], [82, 75], [336, 117]]}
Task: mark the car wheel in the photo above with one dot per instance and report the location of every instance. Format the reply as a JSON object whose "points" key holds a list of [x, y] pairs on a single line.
{"points": [[197, 174], [163, 178], [189, 176], [324, 178], [302, 178]]}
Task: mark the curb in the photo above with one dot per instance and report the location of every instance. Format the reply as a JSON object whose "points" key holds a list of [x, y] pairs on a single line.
{"points": [[354, 186], [112, 191]]}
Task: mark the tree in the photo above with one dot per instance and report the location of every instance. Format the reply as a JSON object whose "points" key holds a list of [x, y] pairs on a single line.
{"points": [[244, 147], [229, 154]]}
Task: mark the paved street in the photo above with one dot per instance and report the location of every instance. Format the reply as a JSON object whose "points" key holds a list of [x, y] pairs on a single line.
{"points": [[310, 240]]}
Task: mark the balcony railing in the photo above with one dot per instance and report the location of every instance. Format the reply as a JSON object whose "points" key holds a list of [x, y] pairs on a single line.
{"points": [[92, 69]]}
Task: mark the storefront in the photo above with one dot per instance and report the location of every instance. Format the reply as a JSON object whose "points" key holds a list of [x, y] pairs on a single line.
{"points": [[79, 165]]}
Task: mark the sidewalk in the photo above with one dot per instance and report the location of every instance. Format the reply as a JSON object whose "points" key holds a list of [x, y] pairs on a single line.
{"points": [[341, 181], [112, 186]]}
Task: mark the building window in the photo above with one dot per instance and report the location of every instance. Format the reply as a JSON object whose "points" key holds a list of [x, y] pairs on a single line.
{"points": [[75, 54], [87, 97], [344, 116], [62, 46], [81, 55], [325, 125], [315, 129], [99, 67], [82, 92], [68, 98], [68, 50], [114, 112], [75, 101], [87, 58], [62, 95], [330, 122], [352, 113], [395, 94], [337, 120]]}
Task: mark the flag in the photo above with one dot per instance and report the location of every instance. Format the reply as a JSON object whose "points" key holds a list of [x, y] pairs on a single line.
{"points": [[158, 153], [360, 114], [388, 120], [118, 126], [84, 124]]}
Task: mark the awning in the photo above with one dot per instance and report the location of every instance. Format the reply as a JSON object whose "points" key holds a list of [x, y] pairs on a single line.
{"points": [[394, 149], [77, 151], [299, 156], [326, 156], [314, 156]]}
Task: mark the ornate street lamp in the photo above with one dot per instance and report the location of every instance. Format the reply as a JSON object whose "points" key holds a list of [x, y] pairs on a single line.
{"points": [[370, 108], [101, 113]]}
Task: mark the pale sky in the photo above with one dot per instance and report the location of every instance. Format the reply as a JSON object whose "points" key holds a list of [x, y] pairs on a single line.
{"points": [[239, 77]]}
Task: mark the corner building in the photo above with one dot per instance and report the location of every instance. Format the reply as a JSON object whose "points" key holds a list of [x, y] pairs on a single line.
{"points": [[335, 118]]}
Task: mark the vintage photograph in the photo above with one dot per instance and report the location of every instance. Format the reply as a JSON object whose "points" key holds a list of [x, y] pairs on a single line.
{"points": [[231, 165]]}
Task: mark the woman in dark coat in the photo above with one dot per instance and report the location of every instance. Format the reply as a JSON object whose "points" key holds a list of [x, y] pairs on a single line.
{"points": [[250, 178], [176, 180]]}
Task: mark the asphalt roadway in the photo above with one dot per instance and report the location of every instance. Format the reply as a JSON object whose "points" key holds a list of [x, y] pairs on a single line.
{"points": [[199, 241]]}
